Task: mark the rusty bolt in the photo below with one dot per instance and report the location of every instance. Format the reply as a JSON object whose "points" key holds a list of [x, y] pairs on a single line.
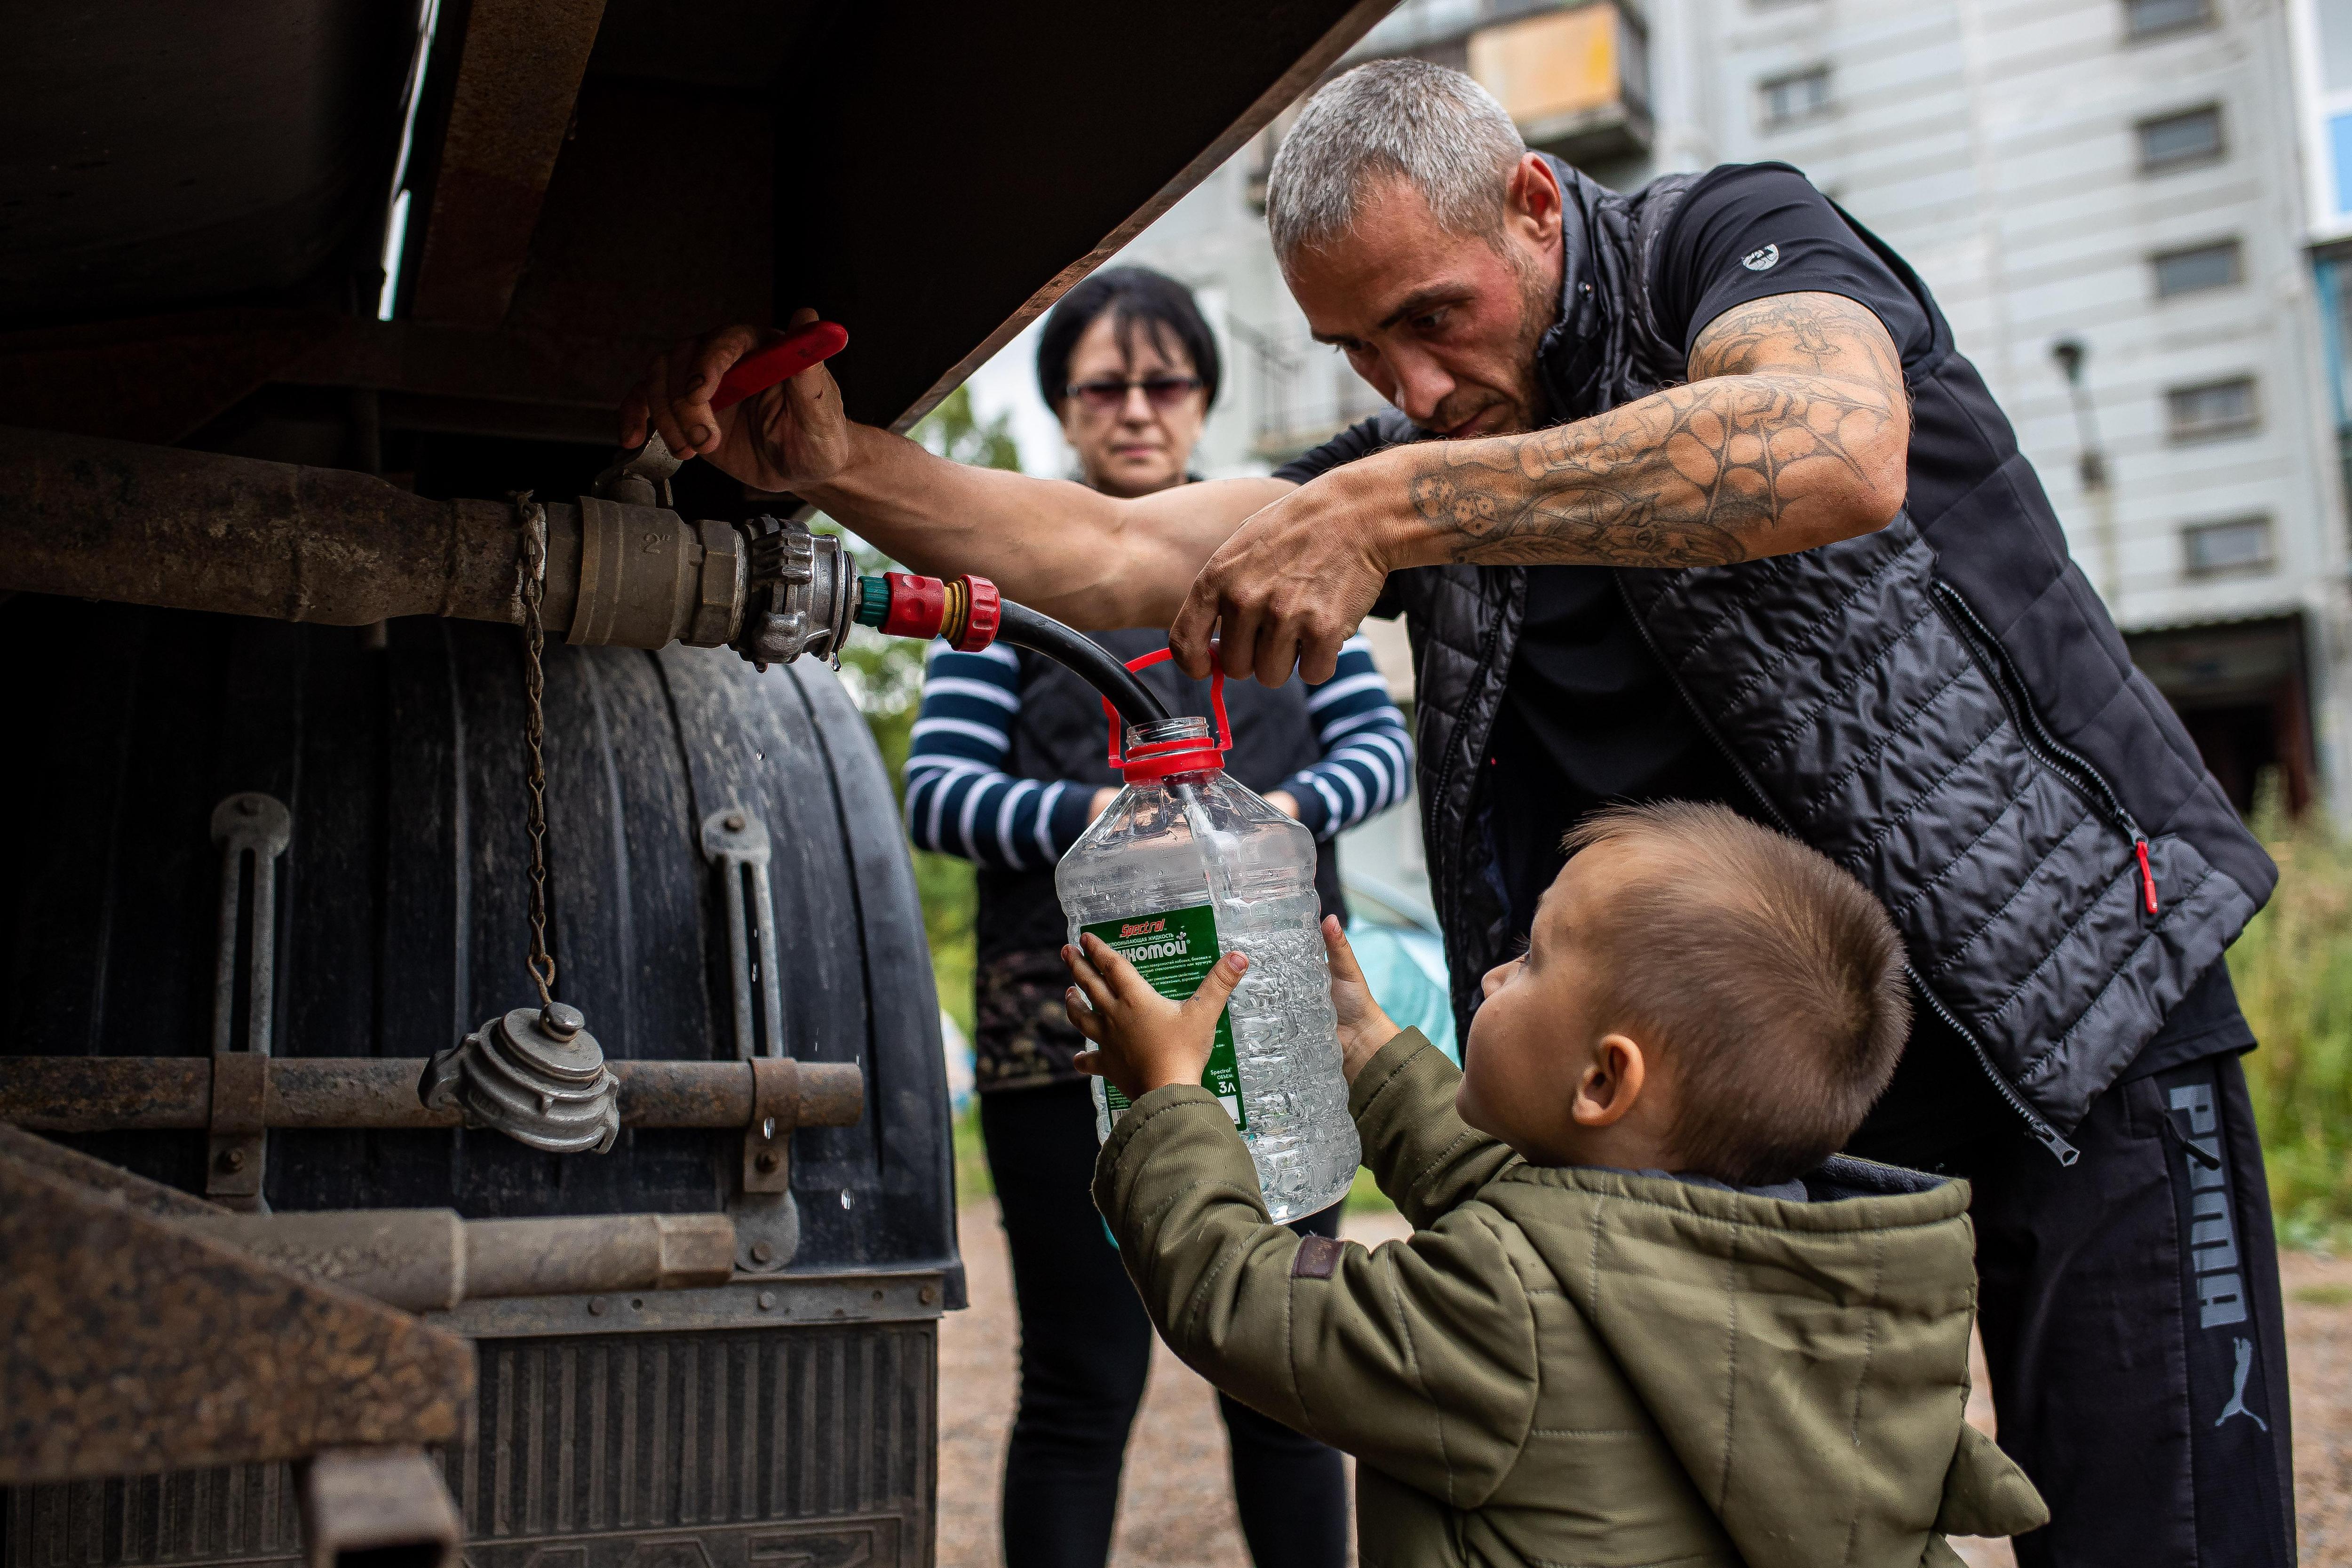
{"points": [[927, 1294], [761, 1252], [596, 1306], [734, 822], [767, 1299], [768, 1160], [232, 1160]]}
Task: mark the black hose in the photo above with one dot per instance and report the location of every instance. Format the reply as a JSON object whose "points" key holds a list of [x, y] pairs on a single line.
{"points": [[1024, 627]]}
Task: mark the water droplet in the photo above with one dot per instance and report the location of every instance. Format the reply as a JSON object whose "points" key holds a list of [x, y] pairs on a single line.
{"points": [[845, 1198]]}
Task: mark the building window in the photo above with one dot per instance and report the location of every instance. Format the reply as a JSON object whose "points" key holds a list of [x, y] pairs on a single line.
{"points": [[2204, 266], [2178, 140], [1798, 96], [2153, 18], [2222, 548], [2216, 408]]}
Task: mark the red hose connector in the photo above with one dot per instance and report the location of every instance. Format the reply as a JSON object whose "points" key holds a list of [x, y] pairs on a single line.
{"points": [[984, 613], [964, 610]]}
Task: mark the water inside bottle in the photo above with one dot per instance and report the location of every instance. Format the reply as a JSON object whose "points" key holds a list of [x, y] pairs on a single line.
{"points": [[1204, 843]]}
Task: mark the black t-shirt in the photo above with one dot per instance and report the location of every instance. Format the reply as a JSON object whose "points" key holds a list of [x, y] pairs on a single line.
{"points": [[1589, 717]]}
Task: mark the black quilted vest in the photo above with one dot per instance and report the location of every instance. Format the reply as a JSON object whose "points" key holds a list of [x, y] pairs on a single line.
{"points": [[1943, 707]]}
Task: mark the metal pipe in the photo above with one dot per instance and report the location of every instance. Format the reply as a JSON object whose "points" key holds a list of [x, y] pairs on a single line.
{"points": [[101, 1094], [157, 525], [197, 530], [429, 1260]]}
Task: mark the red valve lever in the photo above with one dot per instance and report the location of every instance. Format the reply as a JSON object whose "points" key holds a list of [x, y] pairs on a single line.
{"points": [[795, 352]]}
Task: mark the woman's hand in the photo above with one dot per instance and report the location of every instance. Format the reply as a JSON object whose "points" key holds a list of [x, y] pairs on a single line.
{"points": [[1363, 1027], [792, 436], [1142, 1040]]}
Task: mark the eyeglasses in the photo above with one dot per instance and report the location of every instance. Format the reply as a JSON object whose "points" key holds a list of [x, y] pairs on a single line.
{"points": [[1162, 391]]}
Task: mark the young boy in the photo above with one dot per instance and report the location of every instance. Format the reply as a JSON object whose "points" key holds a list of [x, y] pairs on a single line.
{"points": [[1644, 1316]]}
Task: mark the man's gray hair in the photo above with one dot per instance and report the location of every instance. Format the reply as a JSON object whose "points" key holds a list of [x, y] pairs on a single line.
{"points": [[1436, 127]]}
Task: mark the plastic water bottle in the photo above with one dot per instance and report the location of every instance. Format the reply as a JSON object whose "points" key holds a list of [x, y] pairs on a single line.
{"points": [[1184, 867]]}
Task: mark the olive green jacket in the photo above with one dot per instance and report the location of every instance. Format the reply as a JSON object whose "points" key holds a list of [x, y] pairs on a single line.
{"points": [[1576, 1366]]}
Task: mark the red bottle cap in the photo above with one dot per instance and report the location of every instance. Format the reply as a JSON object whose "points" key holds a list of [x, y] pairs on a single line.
{"points": [[1164, 759]]}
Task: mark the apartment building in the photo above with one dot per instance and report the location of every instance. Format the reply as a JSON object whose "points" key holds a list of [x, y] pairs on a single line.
{"points": [[2137, 215]]}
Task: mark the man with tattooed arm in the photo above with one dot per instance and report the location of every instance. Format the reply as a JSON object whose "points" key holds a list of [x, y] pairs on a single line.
{"points": [[1687, 494]]}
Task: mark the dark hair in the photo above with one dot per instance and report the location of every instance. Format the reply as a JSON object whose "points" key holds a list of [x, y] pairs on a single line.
{"points": [[1768, 975], [1136, 297]]}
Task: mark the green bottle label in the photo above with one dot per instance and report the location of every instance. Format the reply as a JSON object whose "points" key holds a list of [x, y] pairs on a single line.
{"points": [[1174, 950]]}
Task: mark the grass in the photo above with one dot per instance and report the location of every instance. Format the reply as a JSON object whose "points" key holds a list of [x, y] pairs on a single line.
{"points": [[2293, 974]]}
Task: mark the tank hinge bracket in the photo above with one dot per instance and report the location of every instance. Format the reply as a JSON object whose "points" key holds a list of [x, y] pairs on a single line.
{"points": [[767, 1221], [775, 1112], [253, 830]]}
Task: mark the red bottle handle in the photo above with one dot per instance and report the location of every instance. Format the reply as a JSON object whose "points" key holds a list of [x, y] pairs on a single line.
{"points": [[1216, 706], [788, 356]]}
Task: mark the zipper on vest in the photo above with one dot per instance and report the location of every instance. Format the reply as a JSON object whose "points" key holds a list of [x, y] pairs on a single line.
{"points": [[2042, 1132], [2047, 748]]}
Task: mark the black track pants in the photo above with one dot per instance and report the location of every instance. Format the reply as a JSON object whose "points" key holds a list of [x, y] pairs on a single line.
{"points": [[2131, 1319], [1085, 1346]]}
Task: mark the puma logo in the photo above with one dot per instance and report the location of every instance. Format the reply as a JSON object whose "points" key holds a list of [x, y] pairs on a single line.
{"points": [[2237, 1406]]}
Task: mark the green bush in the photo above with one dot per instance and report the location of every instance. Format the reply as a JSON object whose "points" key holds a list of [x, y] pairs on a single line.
{"points": [[2293, 974]]}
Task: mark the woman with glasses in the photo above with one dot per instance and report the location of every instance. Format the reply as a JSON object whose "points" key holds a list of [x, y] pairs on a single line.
{"points": [[1007, 768]]}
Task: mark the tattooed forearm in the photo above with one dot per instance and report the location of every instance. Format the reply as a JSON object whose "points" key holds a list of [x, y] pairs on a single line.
{"points": [[1791, 431]]}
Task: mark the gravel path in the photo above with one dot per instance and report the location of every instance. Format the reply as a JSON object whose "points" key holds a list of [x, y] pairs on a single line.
{"points": [[1179, 1449]]}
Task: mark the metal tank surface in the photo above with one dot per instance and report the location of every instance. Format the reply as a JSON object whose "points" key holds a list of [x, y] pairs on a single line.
{"points": [[786, 1415]]}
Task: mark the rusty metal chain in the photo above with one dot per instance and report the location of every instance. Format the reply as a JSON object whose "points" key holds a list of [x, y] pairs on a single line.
{"points": [[533, 517]]}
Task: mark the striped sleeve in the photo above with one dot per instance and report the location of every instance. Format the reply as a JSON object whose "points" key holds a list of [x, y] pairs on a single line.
{"points": [[1367, 754], [959, 799]]}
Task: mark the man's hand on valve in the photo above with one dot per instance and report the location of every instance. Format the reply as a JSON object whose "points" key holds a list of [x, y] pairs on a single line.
{"points": [[791, 436]]}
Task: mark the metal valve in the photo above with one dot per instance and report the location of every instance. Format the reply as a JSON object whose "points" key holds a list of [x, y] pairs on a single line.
{"points": [[802, 595], [536, 1074]]}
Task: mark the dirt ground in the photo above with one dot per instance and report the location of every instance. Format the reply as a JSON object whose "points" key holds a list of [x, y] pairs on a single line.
{"points": [[1180, 1444]]}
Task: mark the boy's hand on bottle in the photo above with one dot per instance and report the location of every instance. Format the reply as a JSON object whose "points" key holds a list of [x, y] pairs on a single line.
{"points": [[1142, 1040], [1363, 1027]]}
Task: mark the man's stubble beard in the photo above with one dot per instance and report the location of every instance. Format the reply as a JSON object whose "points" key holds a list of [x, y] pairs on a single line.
{"points": [[1539, 307]]}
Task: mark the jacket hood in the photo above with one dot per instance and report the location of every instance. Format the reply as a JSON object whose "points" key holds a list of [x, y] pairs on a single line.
{"points": [[1808, 1363]]}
